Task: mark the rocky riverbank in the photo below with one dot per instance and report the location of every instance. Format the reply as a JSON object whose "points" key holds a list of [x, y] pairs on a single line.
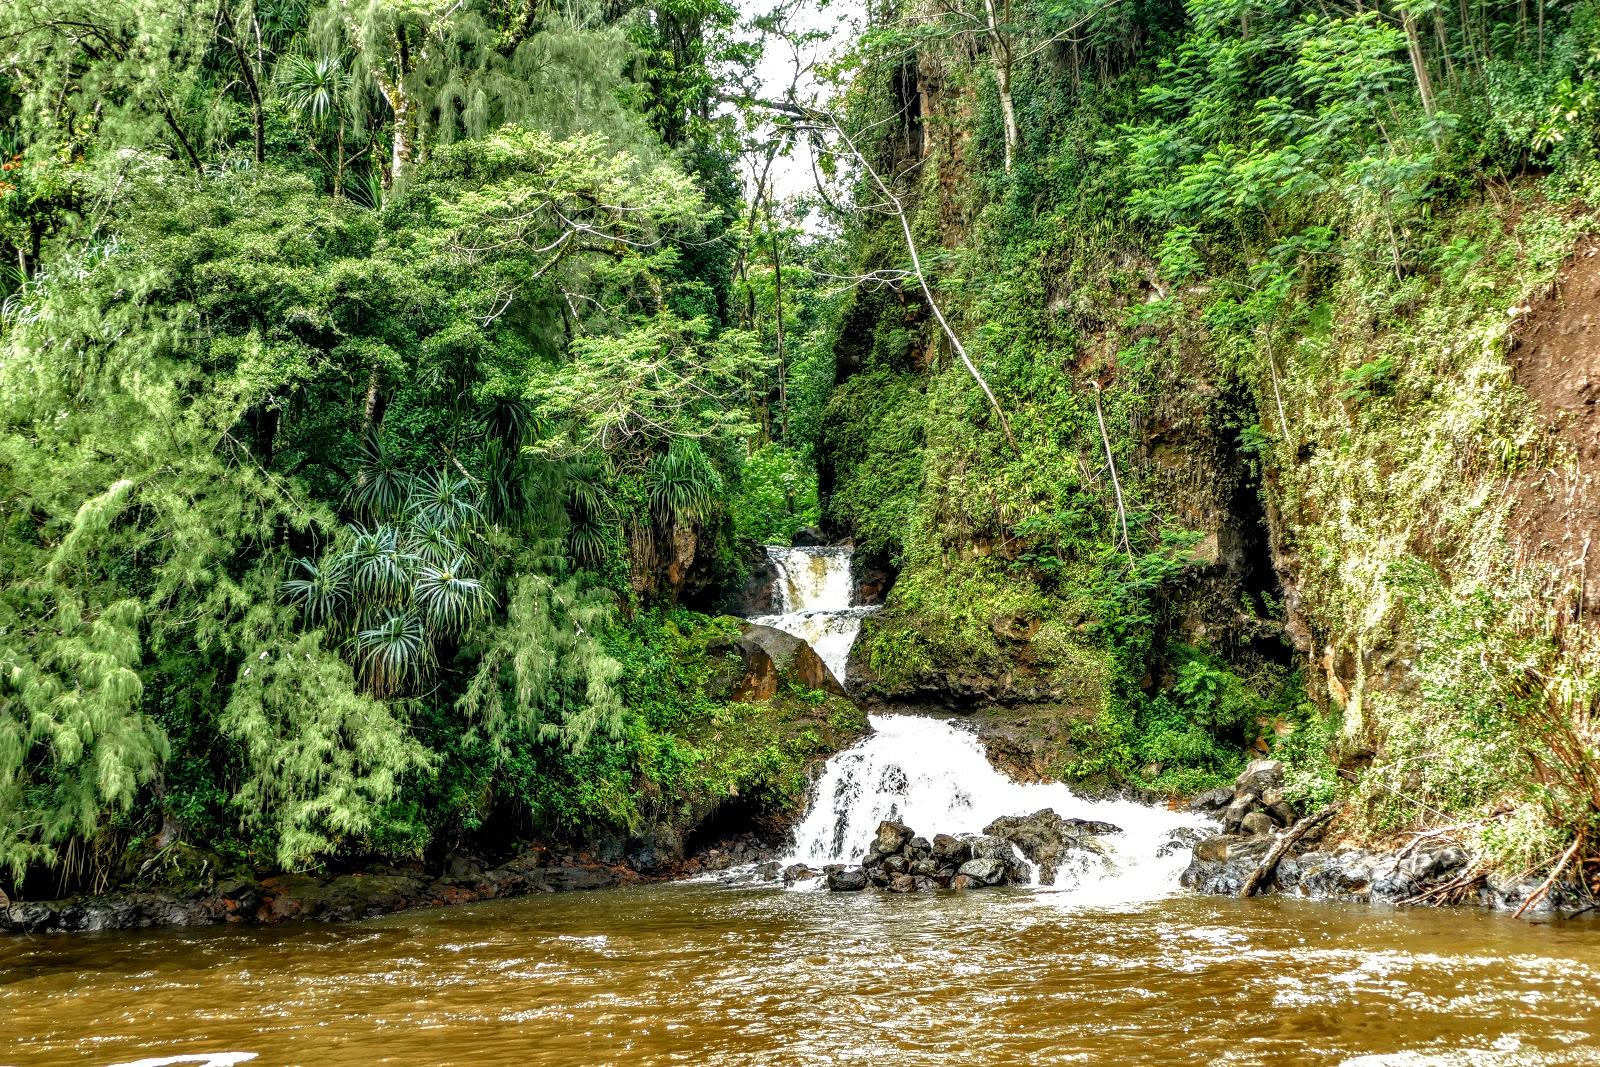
{"points": [[1014, 850], [362, 894], [1430, 869]]}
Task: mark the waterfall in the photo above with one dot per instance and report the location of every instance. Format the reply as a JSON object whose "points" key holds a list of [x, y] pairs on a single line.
{"points": [[814, 593], [933, 775]]}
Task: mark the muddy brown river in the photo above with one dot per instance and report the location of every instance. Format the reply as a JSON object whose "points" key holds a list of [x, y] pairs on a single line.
{"points": [[707, 974]]}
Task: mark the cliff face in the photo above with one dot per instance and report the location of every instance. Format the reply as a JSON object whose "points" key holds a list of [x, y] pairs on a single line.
{"points": [[1352, 530]]}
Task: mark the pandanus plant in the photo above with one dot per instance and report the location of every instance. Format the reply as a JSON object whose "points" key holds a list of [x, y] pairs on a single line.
{"points": [[397, 589]]}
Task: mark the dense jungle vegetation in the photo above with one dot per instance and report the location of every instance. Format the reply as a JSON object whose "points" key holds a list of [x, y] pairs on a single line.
{"points": [[391, 392]]}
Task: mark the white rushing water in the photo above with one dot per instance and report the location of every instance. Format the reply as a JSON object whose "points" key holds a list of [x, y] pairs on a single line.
{"points": [[933, 775], [814, 601]]}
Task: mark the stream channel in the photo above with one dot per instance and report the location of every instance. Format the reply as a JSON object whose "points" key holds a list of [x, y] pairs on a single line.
{"points": [[1114, 964]]}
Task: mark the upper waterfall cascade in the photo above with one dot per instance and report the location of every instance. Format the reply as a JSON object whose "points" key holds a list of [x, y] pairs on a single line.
{"points": [[934, 776], [814, 593]]}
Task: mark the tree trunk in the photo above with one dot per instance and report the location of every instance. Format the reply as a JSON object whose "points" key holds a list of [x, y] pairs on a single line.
{"points": [[777, 290], [1269, 864], [1002, 80], [1419, 64], [247, 73]]}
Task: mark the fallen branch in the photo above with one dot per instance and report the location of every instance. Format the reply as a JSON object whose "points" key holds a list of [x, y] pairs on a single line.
{"points": [[1544, 890], [1472, 876], [1269, 864]]}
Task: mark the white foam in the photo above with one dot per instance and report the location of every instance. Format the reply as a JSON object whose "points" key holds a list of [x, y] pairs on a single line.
{"points": [[933, 775]]}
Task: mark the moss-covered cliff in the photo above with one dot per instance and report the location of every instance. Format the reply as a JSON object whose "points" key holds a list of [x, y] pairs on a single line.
{"points": [[1295, 360]]}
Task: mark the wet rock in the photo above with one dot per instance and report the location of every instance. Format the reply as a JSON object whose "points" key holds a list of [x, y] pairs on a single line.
{"points": [[810, 537], [1258, 822], [1044, 838], [1260, 776], [918, 847], [658, 848], [799, 872], [926, 867], [951, 851], [1184, 838], [1212, 800], [770, 871], [847, 881], [902, 883], [965, 881], [891, 837], [1233, 816], [1092, 826], [983, 871], [896, 864]]}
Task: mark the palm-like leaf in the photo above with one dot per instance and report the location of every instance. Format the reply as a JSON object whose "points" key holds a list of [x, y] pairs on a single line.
{"points": [[380, 571], [445, 500], [449, 601], [682, 484], [392, 653], [322, 592], [432, 545], [312, 84], [381, 484]]}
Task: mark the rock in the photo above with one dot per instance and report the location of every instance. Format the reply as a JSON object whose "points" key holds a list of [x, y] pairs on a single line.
{"points": [[792, 657], [657, 848], [1181, 839], [951, 851], [1258, 822], [769, 871], [926, 868], [966, 881], [1211, 850], [809, 537], [891, 837], [851, 881], [983, 870], [1283, 813], [902, 883], [1260, 776], [799, 872], [1212, 800], [1233, 817], [896, 864], [918, 847], [1045, 838]]}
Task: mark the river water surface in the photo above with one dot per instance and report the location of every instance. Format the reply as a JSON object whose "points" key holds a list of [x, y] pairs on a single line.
{"points": [[701, 973]]}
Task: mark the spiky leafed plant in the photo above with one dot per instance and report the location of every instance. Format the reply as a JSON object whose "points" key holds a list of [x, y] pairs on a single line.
{"points": [[448, 599], [682, 484], [380, 570], [381, 485], [591, 515], [322, 591], [431, 544], [448, 501], [313, 85], [392, 654]]}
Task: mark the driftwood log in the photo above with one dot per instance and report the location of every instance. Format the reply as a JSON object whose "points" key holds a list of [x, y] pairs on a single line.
{"points": [[1269, 863]]}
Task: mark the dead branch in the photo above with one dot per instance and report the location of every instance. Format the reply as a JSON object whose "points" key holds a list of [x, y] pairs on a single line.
{"points": [[1286, 840]]}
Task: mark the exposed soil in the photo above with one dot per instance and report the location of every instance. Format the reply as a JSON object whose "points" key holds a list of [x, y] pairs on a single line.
{"points": [[1555, 518]]}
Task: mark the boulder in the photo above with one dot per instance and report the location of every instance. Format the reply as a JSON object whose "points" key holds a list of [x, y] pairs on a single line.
{"points": [[847, 881], [1260, 776], [892, 836], [1212, 801], [809, 537], [789, 656], [799, 872], [951, 851], [902, 883], [1258, 822], [983, 871], [1043, 837], [1233, 817]]}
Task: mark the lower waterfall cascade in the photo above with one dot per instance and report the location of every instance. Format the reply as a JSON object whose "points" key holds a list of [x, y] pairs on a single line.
{"points": [[934, 775]]}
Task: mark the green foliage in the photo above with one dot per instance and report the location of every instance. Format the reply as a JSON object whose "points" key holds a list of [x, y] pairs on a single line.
{"points": [[777, 496]]}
